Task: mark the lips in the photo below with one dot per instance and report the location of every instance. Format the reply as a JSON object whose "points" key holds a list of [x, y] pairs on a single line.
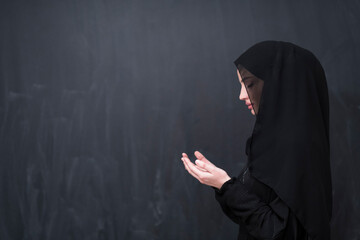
{"points": [[249, 106]]}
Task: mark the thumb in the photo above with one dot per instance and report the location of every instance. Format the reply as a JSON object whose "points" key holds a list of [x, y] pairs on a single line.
{"points": [[201, 157]]}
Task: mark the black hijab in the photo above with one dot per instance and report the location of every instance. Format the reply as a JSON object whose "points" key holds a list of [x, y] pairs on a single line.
{"points": [[289, 147]]}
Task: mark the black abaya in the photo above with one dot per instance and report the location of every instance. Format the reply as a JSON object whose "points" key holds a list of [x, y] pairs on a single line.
{"points": [[257, 209], [285, 190]]}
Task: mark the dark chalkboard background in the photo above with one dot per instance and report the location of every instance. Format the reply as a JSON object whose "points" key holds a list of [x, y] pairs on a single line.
{"points": [[98, 99]]}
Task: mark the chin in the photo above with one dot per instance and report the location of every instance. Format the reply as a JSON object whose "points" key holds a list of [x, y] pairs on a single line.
{"points": [[252, 112]]}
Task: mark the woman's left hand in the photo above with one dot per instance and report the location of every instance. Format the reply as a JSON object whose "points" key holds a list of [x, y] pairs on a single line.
{"points": [[204, 171]]}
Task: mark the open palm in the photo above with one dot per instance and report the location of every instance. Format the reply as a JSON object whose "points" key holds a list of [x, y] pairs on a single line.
{"points": [[205, 171]]}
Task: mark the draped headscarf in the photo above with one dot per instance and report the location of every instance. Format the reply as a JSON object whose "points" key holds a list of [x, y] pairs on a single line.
{"points": [[289, 146]]}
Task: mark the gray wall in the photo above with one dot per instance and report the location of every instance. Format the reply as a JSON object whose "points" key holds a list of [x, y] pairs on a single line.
{"points": [[98, 99]]}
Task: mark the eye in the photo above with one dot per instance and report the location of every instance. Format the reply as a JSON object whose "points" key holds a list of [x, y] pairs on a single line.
{"points": [[250, 85]]}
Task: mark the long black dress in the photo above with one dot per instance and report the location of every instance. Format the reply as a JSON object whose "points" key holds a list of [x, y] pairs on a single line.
{"points": [[258, 211], [285, 191]]}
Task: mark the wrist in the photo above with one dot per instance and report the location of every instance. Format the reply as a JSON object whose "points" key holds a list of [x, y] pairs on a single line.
{"points": [[227, 178]]}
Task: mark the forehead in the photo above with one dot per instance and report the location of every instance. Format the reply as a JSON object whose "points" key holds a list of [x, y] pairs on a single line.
{"points": [[239, 76]]}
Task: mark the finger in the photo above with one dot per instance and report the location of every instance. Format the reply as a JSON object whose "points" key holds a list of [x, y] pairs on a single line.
{"points": [[201, 169], [188, 169], [198, 167], [208, 167], [193, 169], [201, 157], [189, 166]]}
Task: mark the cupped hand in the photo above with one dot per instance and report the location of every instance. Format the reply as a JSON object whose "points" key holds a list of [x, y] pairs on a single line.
{"points": [[205, 171]]}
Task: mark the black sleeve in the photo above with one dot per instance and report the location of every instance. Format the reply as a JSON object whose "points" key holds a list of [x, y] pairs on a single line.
{"points": [[262, 220]]}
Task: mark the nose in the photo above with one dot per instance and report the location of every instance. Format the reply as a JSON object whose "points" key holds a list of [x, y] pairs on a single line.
{"points": [[243, 94]]}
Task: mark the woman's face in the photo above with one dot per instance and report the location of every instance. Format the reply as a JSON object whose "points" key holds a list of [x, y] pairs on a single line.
{"points": [[253, 85]]}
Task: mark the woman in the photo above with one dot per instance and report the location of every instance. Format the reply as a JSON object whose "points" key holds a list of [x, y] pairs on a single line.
{"points": [[285, 189]]}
